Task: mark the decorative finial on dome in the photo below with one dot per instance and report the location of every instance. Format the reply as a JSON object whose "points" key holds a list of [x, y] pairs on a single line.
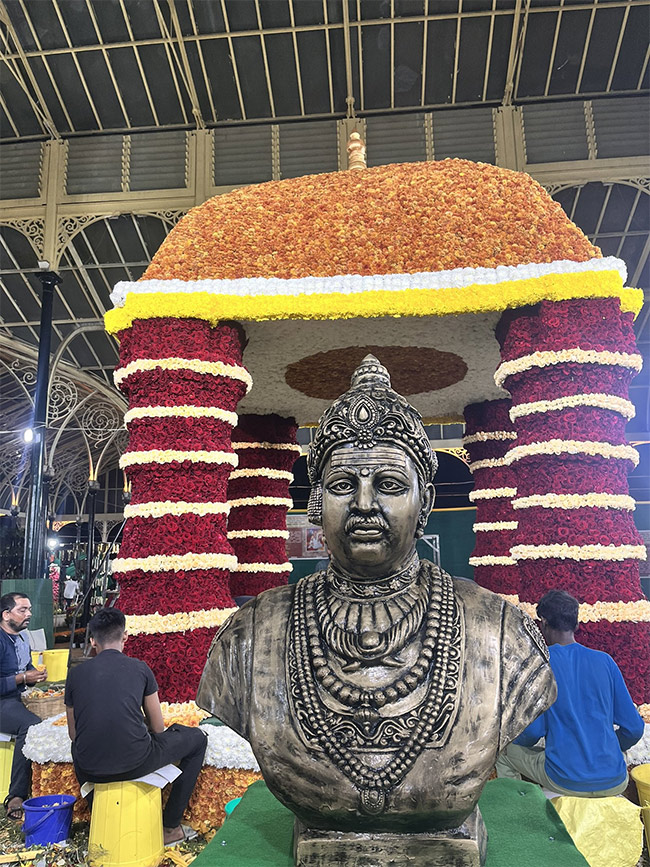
{"points": [[370, 370], [356, 152]]}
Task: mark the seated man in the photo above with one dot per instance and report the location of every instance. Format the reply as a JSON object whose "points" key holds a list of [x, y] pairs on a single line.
{"points": [[105, 698], [16, 674], [582, 755]]}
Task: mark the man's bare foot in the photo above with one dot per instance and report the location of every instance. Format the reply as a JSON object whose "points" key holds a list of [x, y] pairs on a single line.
{"points": [[14, 808], [173, 835]]}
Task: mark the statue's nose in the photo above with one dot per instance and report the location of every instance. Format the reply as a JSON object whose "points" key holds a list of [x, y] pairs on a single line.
{"points": [[365, 497]]}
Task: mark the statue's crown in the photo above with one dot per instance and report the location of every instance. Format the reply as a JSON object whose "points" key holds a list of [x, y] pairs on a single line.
{"points": [[370, 412]]}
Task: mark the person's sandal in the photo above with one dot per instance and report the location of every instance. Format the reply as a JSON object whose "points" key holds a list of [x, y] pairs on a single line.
{"points": [[188, 834], [16, 814]]}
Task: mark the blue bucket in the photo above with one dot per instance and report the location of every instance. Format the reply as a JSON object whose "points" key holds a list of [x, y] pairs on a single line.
{"points": [[47, 819]]}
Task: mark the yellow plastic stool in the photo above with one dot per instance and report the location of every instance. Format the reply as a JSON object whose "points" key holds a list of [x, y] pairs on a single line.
{"points": [[641, 776], [126, 825], [6, 758], [56, 662]]}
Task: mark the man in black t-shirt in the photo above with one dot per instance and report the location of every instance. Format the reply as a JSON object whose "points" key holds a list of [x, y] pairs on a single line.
{"points": [[105, 699]]}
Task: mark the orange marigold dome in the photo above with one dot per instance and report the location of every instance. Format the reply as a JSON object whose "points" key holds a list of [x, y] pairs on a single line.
{"points": [[395, 219]]}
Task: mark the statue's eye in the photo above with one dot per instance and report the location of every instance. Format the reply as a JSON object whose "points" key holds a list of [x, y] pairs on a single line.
{"points": [[341, 486], [390, 486]]}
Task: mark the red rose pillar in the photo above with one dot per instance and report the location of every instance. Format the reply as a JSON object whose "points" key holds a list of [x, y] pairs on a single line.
{"points": [[568, 366], [183, 380], [489, 434], [258, 495]]}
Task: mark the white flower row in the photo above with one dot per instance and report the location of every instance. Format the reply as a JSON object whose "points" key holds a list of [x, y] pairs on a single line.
{"points": [[572, 447], [492, 560], [290, 447], [175, 562], [262, 501], [575, 501], [196, 365], [47, 742], [491, 494], [266, 472], [348, 284], [166, 456], [263, 567], [160, 508], [614, 612], [181, 621], [181, 411], [601, 401], [578, 552], [487, 462], [258, 534], [563, 356], [484, 436], [487, 526]]}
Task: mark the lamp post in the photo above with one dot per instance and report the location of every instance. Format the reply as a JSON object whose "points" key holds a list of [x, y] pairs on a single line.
{"points": [[93, 489], [34, 555]]}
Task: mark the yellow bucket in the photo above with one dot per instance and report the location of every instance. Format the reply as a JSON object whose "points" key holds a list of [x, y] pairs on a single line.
{"points": [[126, 826], [56, 662], [6, 758], [641, 776]]}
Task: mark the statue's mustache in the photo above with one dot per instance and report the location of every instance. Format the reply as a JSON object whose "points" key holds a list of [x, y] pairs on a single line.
{"points": [[367, 522]]}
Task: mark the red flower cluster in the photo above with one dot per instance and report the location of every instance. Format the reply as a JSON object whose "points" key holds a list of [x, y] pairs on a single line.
{"points": [[574, 474], [162, 387], [575, 423], [175, 534], [171, 592], [589, 581], [243, 584], [489, 415], [629, 645], [568, 378], [188, 481], [178, 432], [589, 526], [499, 579], [182, 338]]}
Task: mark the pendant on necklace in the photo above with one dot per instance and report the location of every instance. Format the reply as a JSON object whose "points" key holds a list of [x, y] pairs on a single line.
{"points": [[372, 801]]}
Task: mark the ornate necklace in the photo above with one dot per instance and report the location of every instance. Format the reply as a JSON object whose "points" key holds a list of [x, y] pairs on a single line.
{"points": [[374, 783], [375, 628]]}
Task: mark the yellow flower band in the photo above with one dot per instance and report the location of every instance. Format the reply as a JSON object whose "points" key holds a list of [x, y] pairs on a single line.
{"points": [[183, 712], [258, 534], [565, 356], [484, 436], [160, 508], [265, 472], [578, 552], [614, 612], [574, 501], [491, 494], [487, 526], [572, 447], [371, 302], [262, 501], [175, 562], [263, 567], [166, 456], [487, 462], [282, 447], [183, 621], [602, 401], [182, 411], [196, 365], [492, 560]]}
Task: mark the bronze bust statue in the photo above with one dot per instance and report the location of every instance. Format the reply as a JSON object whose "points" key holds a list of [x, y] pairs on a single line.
{"points": [[377, 694]]}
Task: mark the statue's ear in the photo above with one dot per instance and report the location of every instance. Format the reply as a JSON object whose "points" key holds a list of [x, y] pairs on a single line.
{"points": [[428, 498]]}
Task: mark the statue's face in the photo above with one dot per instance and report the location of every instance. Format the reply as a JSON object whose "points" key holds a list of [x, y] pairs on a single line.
{"points": [[371, 504]]}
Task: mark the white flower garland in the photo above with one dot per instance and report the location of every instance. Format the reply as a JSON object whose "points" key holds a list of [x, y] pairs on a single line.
{"points": [[348, 284], [614, 612], [263, 567], [258, 534], [562, 356], [491, 494], [601, 401], [578, 552], [487, 526], [492, 560], [166, 456], [182, 621], [266, 472], [484, 436], [196, 365], [487, 462], [261, 501], [290, 447], [182, 411], [175, 562], [572, 447], [575, 501], [161, 508]]}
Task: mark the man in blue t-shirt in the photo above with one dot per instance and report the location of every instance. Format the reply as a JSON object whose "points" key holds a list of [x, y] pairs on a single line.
{"points": [[116, 724], [583, 753]]}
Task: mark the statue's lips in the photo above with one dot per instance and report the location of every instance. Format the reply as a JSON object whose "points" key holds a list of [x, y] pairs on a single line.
{"points": [[366, 531]]}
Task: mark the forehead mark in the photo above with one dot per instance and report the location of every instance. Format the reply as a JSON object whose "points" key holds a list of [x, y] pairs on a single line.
{"points": [[388, 458]]}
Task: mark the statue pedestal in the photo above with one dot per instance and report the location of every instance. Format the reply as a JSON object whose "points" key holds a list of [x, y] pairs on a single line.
{"points": [[456, 847]]}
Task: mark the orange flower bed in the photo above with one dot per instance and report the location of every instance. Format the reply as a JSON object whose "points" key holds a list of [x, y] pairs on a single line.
{"points": [[395, 219]]}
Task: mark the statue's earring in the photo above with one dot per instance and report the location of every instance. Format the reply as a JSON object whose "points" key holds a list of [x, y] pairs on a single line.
{"points": [[315, 505], [422, 522]]}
